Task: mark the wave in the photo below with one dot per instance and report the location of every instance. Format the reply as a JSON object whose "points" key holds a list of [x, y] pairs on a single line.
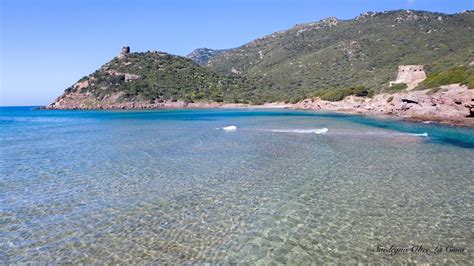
{"points": [[230, 128], [302, 131], [397, 134], [425, 134]]}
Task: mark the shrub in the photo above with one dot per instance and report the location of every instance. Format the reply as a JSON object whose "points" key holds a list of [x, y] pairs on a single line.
{"points": [[360, 91], [339, 94], [69, 89], [469, 82], [295, 100], [335, 95], [371, 93], [463, 75]]}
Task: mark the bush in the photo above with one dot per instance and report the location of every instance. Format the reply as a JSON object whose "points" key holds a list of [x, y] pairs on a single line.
{"points": [[469, 82], [335, 95], [360, 91], [339, 94], [371, 93], [463, 75], [295, 100]]}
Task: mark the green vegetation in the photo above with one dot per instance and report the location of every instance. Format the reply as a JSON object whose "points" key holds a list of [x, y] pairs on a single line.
{"points": [[338, 94], [324, 59], [461, 74], [166, 77], [367, 51]]}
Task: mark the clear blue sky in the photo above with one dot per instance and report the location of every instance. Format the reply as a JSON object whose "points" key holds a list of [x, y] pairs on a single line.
{"points": [[47, 45]]}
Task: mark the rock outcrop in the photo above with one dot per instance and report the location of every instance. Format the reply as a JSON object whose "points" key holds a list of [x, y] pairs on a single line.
{"points": [[452, 104], [126, 76]]}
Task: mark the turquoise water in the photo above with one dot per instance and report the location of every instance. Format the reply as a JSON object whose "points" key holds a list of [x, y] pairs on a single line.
{"points": [[174, 187]]}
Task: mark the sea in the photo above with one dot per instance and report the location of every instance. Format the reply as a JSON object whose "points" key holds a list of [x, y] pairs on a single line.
{"points": [[232, 186]]}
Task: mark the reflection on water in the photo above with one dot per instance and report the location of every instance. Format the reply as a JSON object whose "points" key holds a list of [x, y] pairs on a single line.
{"points": [[168, 187]]}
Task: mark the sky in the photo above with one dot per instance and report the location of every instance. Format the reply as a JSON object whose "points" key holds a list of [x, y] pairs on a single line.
{"points": [[47, 45]]}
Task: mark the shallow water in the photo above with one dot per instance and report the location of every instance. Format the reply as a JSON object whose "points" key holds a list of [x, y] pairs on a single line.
{"points": [[174, 187]]}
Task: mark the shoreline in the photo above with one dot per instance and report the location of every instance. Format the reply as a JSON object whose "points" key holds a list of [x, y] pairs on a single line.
{"points": [[415, 119], [449, 105]]}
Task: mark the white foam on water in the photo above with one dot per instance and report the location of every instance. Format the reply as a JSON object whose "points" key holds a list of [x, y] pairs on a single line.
{"points": [[398, 134], [387, 134], [230, 128], [425, 134], [301, 131]]}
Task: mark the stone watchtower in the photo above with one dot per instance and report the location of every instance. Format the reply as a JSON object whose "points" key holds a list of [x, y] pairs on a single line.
{"points": [[125, 50], [411, 75]]}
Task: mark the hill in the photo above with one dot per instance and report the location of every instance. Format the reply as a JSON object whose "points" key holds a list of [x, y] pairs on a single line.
{"points": [[333, 53], [151, 77]]}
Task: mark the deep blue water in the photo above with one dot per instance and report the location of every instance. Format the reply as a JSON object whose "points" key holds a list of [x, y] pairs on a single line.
{"points": [[171, 186]]}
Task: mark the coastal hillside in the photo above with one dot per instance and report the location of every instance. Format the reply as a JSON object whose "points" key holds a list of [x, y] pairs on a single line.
{"points": [[333, 53], [330, 59], [203, 55], [150, 79]]}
